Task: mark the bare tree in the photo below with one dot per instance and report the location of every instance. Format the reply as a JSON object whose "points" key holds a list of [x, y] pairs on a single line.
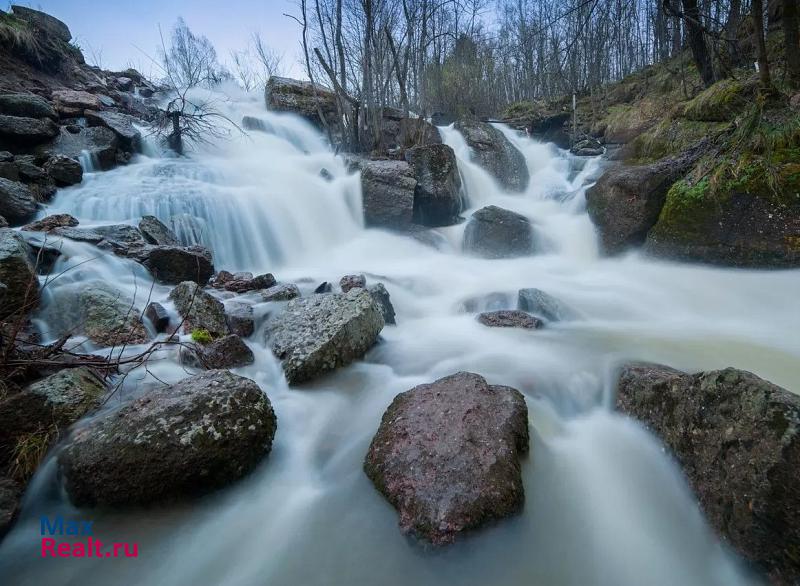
{"points": [[190, 59]]}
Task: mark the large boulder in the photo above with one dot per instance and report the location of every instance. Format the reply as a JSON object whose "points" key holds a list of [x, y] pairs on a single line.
{"points": [[447, 456], [737, 438], [49, 223], [27, 106], [742, 227], [387, 193], [302, 98], [437, 195], [319, 333], [199, 309], [63, 170], [16, 131], [175, 264], [179, 441], [49, 25], [108, 317], [626, 201], [18, 274], [495, 153], [17, 204], [99, 142], [49, 405], [494, 232], [130, 139]]}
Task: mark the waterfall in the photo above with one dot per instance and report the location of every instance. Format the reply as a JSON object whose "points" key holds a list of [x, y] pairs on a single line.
{"points": [[605, 505]]}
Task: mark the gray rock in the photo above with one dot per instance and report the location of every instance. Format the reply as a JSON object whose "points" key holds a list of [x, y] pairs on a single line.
{"points": [[108, 317], [387, 193], [737, 438], [17, 204], [125, 84], [351, 282], [49, 405], [540, 303], [227, 352], [240, 318], [495, 153], [198, 309], [101, 144], [26, 106], [15, 130], [319, 333], [282, 292], [158, 315], [626, 201], [509, 318], [130, 139], [175, 264], [302, 98], [18, 274], [65, 171], [10, 501], [242, 282], [381, 297], [493, 232], [42, 21], [8, 170], [155, 232], [74, 102], [447, 456], [184, 440], [437, 195], [49, 223]]}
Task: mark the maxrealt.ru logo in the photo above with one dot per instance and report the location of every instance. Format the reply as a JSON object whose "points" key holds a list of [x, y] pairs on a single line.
{"points": [[69, 548]]}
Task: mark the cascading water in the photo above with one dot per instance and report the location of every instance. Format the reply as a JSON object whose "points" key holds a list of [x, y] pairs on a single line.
{"points": [[604, 506]]}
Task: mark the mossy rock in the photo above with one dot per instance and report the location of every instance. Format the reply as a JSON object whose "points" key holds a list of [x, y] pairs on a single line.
{"points": [[671, 137], [721, 102]]}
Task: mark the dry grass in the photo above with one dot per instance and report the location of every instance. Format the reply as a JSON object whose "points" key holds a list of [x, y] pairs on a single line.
{"points": [[30, 450]]}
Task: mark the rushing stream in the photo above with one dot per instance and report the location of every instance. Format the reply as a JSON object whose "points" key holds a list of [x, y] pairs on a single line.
{"points": [[604, 505]]}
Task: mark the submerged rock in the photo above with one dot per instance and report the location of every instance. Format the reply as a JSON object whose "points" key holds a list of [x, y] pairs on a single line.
{"points": [[17, 204], [319, 333], [199, 309], [446, 456], [493, 232], [540, 303], [509, 318], [437, 195], [495, 153], [737, 438], [18, 274], [179, 441]]}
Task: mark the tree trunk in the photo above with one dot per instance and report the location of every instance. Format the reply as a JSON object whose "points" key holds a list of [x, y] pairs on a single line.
{"points": [[761, 45], [697, 42], [791, 39]]}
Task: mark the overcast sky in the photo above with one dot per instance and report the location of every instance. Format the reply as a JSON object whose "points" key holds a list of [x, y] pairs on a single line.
{"points": [[123, 30]]}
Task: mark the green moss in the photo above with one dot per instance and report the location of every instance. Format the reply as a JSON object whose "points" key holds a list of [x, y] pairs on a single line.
{"points": [[673, 136], [721, 102], [686, 210], [525, 109], [202, 336]]}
